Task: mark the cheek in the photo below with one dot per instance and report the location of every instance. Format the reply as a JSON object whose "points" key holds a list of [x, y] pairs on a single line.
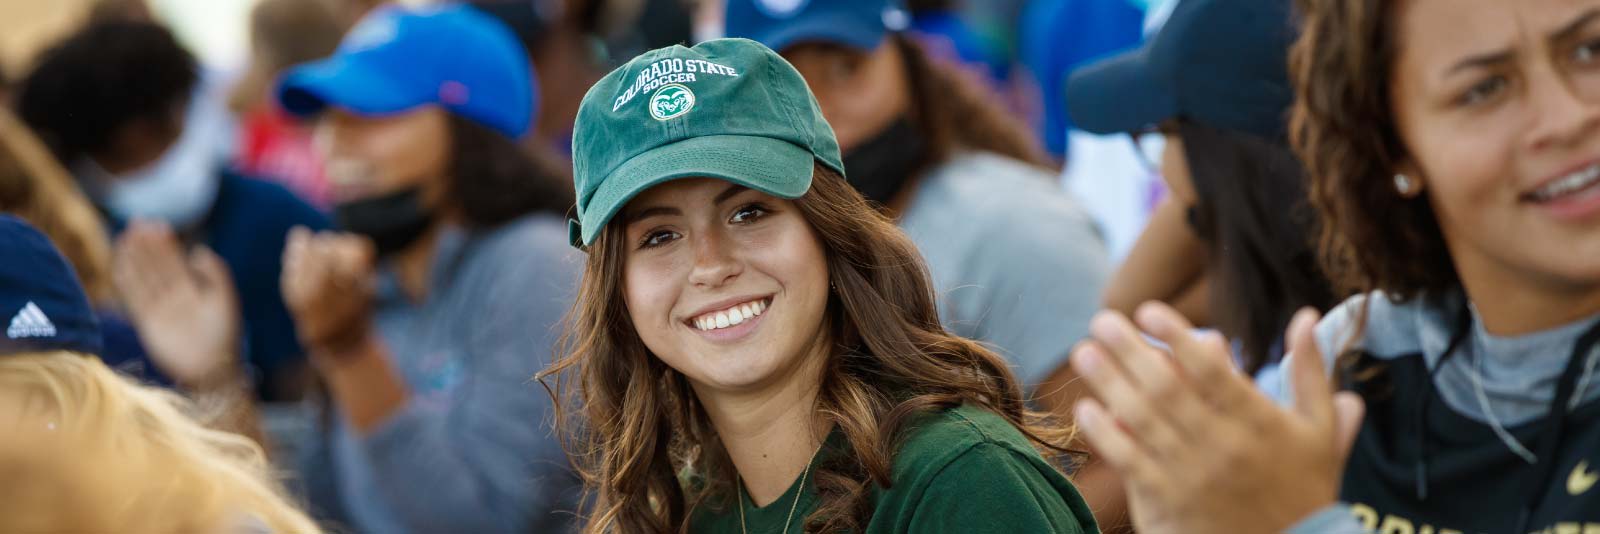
{"points": [[799, 263], [650, 289], [1470, 174]]}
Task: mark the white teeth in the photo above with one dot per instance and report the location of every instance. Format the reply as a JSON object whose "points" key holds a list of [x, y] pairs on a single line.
{"points": [[1569, 183], [729, 317]]}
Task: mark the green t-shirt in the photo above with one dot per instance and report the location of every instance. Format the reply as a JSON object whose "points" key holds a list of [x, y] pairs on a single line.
{"points": [[965, 470]]}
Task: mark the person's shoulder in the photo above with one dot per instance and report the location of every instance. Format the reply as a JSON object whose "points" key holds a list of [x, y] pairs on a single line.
{"points": [[972, 451], [1016, 205], [536, 234], [267, 200], [995, 182], [1378, 324], [532, 248], [936, 439]]}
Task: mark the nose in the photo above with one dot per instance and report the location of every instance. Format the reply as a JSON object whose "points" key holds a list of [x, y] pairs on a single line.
{"points": [[1563, 115], [715, 260]]}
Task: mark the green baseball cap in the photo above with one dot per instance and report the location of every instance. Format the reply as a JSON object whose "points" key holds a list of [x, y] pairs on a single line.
{"points": [[727, 108]]}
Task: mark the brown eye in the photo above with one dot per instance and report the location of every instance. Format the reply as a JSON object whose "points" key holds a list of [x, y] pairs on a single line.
{"points": [[1585, 54], [657, 238], [1484, 91], [748, 214]]}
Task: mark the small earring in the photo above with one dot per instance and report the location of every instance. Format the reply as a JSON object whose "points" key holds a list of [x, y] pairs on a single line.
{"points": [[1403, 184]]}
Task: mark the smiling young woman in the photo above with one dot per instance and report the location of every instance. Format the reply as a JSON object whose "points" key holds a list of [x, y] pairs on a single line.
{"points": [[754, 347]]}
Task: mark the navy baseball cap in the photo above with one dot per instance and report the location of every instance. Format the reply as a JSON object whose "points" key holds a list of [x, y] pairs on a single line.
{"points": [[779, 24], [1222, 63], [42, 305], [398, 58]]}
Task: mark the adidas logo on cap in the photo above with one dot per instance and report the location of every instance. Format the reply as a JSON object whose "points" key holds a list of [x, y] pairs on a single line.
{"points": [[30, 322]]}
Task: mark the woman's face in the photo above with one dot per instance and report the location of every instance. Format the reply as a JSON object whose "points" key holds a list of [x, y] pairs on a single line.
{"points": [[367, 157], [725, 284], [860, 93], [1498, 105]]}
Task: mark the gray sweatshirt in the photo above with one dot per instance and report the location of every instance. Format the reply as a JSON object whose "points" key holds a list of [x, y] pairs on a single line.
{"points": [[473, 450]]}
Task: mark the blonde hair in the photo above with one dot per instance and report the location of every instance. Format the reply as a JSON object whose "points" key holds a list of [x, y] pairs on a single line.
{"points": [[34, 187], [96, 452]]}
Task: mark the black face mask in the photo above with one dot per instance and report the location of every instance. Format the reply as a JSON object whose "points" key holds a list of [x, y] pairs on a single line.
{"points": [[882, 165], [392, 221]]}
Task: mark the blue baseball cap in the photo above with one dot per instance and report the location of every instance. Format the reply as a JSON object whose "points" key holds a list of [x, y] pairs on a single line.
{"points": [[42, 305], [779, 24], [1222, 63], [398, 58]]}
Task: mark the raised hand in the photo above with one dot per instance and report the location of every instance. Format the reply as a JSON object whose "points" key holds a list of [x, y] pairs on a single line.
{"points": [[1200, 449], [328, 287], [183, 305]]}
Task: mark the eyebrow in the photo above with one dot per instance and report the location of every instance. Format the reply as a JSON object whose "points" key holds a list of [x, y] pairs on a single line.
{"points": [[732, 191], [1480, 60], [1567, 32]]}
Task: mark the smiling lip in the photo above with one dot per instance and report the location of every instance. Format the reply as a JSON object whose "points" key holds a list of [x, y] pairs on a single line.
{"points": [[730, 332], [1568, 202], [1531, 192]]}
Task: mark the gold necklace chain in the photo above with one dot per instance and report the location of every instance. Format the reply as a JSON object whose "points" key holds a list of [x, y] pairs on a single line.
{"points": [[739, 486]]}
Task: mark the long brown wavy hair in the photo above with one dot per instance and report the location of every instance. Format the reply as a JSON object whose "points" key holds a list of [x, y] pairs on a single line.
{"points": [[640, 426], [1343, 128]]}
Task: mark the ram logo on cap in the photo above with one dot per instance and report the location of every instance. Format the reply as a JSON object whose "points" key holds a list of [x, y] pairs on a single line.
{"points": [[671, 101]]}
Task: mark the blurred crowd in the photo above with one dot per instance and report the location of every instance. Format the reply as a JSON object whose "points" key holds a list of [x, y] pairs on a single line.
{"points": [[1070, 266]]}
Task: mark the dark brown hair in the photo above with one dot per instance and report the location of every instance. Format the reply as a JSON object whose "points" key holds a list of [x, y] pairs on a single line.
{"points": [[1251, 212], [640, 425], [495, 180], [955, 112], [1343, 128]]}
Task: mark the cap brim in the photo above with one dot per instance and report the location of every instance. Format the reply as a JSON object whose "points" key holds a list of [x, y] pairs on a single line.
{"points": [[307, 89], [772, 166], [1118, 94], [827, 28]]}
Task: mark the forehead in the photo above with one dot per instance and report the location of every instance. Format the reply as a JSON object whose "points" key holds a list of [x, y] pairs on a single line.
{"points": [[1438, 31], [678, 192]]}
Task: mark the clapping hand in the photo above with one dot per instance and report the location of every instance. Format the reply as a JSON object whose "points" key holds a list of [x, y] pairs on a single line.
{"points": [[1200, 449]]}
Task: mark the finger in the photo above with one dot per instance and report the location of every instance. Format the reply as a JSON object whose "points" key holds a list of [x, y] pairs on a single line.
{"points": [[1150, 369], [354, 256], [166, 256], [294, 243], [1118, 335], [1132, 407], [137, 247], [210, 268], [1348, 409], [1312, 393], [1204, 356], [125, 276], [1113, 444], [1229, 391]]}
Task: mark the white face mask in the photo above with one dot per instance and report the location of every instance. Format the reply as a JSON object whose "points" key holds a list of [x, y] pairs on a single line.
{"points": [[179, 188]]}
